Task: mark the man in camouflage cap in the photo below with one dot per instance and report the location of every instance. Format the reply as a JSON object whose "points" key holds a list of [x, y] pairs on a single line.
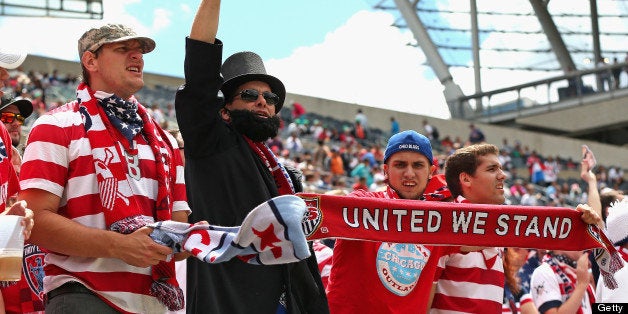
{"points": [[111, 33], [95, 38], [108, 170]]}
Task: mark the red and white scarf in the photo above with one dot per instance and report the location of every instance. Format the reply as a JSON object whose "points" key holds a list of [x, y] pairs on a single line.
{"points": [[123, 214], [280, 175], [444, 223]]}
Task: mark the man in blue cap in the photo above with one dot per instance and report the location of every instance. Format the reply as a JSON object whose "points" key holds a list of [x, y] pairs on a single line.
{"points": [[383, 277]]}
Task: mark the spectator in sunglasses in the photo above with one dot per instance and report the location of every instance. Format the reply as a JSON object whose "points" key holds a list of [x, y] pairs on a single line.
{"points": [[12, 297], [14, 112], [225, 121]]}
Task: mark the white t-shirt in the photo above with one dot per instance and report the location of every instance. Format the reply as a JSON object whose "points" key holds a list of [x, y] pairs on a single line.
{"points": [[545, 288]]}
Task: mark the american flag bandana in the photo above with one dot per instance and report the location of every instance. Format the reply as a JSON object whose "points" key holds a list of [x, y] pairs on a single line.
{"points": [[123, 115], [270, 234]]}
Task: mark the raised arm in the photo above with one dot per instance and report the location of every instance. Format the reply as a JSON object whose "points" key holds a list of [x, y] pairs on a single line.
{"points": [[593, 193], [205, 25]]}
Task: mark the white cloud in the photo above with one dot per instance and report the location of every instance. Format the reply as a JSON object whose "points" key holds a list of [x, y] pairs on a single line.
{"points": [[365, 61], [162, 19], [57, 37], [186, 8]]}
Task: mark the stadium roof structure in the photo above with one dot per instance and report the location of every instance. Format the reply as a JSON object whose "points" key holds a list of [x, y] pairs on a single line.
{"points": [[556, 37], [78, 9]]}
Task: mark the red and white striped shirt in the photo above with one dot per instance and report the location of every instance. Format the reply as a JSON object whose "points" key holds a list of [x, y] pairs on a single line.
{"points": [[324, 255], [471, 282], [58, 159]]}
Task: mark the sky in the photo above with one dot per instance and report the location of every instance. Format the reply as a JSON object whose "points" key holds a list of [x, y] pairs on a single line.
{"points": [[341, 50]]}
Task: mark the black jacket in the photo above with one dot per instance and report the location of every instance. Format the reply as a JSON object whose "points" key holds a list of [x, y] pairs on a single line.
{"points": [[225, 180]]}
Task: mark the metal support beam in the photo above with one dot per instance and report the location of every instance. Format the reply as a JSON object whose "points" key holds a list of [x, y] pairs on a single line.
{"points": [[595, 35], [452, 91], [553, 36], [475, 44]]}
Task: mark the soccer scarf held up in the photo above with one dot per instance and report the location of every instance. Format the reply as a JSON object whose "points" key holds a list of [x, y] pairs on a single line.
{"points": [[442, 223], [270, 234]]}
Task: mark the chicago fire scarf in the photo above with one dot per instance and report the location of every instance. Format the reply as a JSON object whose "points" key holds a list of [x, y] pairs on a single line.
{"points": [[443, 223], [122, 214], [270, 234]]}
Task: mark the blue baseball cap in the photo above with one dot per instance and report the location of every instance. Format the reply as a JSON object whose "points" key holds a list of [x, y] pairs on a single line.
{"points": [[411, 141]]}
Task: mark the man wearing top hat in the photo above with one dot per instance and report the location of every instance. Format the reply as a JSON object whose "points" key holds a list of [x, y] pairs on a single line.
{"points": [[224, 121]]}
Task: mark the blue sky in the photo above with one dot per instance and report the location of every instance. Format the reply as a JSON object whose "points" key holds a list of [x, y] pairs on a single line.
{"points": [[336, 49], [340, 50], [273, 29]]}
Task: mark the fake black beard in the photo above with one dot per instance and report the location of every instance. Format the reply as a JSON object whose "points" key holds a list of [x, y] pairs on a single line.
{"points": [[249, 124]]}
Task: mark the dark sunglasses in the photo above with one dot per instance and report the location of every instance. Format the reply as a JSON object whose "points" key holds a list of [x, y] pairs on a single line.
{"points": [[9, 117], [252, 95]]}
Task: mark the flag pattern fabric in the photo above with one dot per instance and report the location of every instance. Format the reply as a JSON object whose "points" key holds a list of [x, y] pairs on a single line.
{"points": [[270, 234]]}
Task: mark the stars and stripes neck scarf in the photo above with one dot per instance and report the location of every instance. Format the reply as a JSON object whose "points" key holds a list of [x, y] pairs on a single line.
{"points": [[122, 213], [123, 114]]}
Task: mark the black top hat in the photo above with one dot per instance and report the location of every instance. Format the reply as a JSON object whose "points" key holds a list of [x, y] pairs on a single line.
{"points": [[23, 104], [247, 66]]}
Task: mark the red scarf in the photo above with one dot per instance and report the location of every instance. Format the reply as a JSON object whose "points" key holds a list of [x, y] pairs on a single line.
{"points": [[443, 223], [280, 175], [122, 214]]}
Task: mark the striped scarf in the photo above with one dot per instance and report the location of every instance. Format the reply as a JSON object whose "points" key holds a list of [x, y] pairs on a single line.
{"points": [[564, 268], [123, 214], [280, 175]]}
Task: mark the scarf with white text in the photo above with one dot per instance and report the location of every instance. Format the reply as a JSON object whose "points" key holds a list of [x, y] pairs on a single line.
{"points": [[444, 223]]}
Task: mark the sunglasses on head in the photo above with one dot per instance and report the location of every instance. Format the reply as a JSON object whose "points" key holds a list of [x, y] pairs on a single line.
{"points": [[252, 95], [9, 117]]}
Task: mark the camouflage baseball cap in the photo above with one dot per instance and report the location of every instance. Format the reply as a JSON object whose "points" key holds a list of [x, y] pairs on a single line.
{"points": [[111, 33]]}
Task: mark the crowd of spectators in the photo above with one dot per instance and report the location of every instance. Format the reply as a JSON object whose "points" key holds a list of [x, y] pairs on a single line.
{"points": [[344, 155]]}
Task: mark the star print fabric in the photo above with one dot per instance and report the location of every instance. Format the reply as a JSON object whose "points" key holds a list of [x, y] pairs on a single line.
{"points": [[270, 234], [123, 115]]}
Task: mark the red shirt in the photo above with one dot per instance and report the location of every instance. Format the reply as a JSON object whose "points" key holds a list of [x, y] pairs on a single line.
{"points": [[382, 277], [27, 295]]}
